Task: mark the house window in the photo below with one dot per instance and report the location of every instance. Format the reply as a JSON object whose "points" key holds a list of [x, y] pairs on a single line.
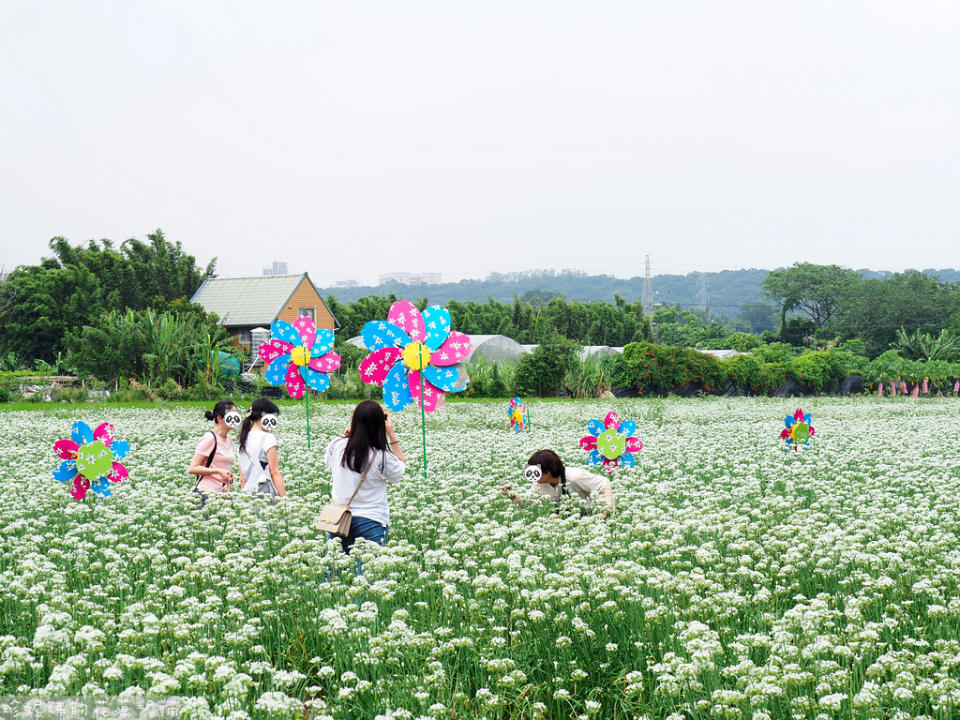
{"points": [[243, 337], [306, 312]]}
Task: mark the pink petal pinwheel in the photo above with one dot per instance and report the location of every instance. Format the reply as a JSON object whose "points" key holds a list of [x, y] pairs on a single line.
{"points": [[610, 443], [797, 431], [407, 344], [90, 459], [299, 356]]}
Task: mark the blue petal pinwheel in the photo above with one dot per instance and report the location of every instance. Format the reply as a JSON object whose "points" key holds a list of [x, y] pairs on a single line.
{"points": [[798, 430], [90, 459], [610, 443], [517, 412], [299, 356], [407, 344]]}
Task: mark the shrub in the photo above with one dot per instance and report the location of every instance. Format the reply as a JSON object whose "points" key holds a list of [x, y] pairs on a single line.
{"points": [[659, 368], [742, 371], [541, 372]]}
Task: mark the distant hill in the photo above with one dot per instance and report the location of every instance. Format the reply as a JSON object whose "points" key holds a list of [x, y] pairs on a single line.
{"points": [[726, 291]]}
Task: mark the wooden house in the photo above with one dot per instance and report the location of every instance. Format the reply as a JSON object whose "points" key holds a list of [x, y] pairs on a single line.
{"points": [[245, 303]]}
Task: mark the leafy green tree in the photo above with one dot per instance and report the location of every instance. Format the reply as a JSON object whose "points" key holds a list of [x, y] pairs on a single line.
{"points": [[877, 308], [816, 291], [756, 317], [541, 372], [41, 303]]}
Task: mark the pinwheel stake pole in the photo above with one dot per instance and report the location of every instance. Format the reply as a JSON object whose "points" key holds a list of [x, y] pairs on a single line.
{"points": [[307, 395], [423, 420]]}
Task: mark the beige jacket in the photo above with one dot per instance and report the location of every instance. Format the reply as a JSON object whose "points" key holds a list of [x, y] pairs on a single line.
{"points": [[579, 481]]}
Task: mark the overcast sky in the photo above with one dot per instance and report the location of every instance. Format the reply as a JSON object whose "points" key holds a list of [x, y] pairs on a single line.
{"points": [[352, 139]]}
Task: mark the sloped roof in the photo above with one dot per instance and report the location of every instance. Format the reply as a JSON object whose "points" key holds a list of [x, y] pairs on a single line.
{"points": [[253, 300]]}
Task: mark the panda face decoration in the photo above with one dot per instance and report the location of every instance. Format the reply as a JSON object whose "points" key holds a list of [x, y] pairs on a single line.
{"points": [[233, 418], [269, 422], [532, 473]]}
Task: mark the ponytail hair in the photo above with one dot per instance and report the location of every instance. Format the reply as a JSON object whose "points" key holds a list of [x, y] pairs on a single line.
{"points": [[219, 410], [260, 407]]}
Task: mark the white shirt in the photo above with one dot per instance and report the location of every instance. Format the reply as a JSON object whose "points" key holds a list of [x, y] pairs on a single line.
{"points": [[249, 459], [580, 481], [371, 500]]}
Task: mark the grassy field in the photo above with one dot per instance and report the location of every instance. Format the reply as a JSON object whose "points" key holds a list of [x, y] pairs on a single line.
{"points": [[734, 581]]}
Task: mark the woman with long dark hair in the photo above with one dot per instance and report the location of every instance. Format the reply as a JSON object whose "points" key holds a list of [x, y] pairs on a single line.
{"points": [[213, 461], [258, 459], [362, 462], [550, 478]]}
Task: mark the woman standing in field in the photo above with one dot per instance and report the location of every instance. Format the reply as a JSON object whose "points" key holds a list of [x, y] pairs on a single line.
{"points": [[258, 459], [551, 479], [362, 463], [213, 461]]}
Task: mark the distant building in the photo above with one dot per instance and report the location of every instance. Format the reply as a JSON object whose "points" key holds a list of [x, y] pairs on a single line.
{"points": [[411, 278], [246, 303], [278, 268], [346, 284]]}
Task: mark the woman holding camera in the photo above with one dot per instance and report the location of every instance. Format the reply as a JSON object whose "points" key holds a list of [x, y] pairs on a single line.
{"points": [[213, 460], [362, 462]]}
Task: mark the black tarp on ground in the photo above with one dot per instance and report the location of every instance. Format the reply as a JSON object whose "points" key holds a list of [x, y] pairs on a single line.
{"points": [[851, 385], [791, 388]]}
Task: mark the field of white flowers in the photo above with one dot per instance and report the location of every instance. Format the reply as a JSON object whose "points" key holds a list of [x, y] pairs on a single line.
{"points": [[734, 581]]}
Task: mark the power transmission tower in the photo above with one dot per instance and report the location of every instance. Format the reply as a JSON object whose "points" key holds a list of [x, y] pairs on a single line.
{"points": [[646, 299], [703, 294]]}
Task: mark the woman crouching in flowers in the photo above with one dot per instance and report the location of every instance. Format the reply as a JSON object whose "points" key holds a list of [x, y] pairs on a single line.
{"points": [[551, 479], [213, 461], [362, 463], [258, 459]]}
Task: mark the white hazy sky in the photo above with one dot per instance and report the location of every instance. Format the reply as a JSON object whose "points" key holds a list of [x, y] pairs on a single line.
{"points": [[352, 139]]}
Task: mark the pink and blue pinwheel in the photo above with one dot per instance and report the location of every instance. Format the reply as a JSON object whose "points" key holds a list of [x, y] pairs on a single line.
{"points": [[517, 412], [798, 430], [90, 459], [408, 343], [610, 443], [299, 356]]}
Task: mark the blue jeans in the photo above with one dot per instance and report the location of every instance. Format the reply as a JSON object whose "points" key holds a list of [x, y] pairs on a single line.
{"points": [[362, 527]]}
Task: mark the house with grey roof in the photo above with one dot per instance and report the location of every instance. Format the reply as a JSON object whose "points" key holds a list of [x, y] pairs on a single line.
{"points": [[245, 303]]}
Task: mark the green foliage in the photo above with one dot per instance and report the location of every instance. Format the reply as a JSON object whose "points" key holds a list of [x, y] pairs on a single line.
{"points": [[587, 378], [879, 307], [660, 368], [151, 347], [775, 352], [42, 303], [739, 341], [890, 366], [489, 379], [541, 372], [822, 371], [924, 346], [685, 328], [771, 376], [816, 291], [755, 317], [742, 371], [526, 321]]}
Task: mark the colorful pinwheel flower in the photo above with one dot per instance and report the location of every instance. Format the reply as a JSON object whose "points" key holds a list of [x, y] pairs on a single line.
{"points": [[517, 412], [609, 442], [90, 459], [299, 355], [408, 343], [798, 430]]}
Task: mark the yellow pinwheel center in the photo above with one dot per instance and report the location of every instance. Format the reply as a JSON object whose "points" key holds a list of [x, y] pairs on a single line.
{"points": [[416, 356], [300, 355]]}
